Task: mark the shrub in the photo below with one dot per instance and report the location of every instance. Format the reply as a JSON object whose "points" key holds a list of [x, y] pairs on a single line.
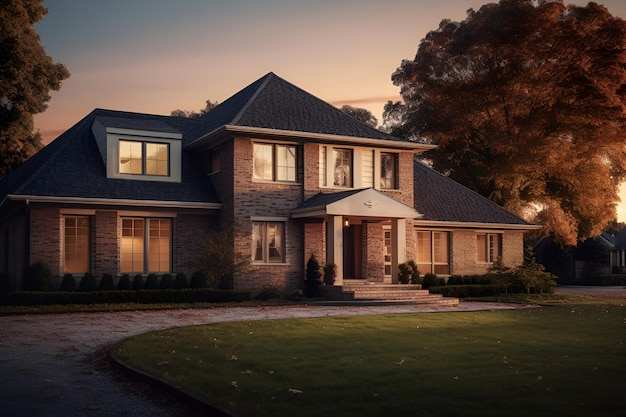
{"points": [[199, 280], [330, 273], [87, 282], [269, 292], [180, 281], [124, 283], [39, 277], [137, 282], [432, 280], [404, 273], [313, 278], [68, 283], [415, 276], [167, 281], [152, 282], [106, 283]]}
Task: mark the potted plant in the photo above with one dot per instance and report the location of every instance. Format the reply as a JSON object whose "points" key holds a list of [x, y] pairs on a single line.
{"points": [[404, 273], [330, 273]]}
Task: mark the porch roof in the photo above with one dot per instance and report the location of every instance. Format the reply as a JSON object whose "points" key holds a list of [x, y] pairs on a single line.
{"points": [[366, 202]]}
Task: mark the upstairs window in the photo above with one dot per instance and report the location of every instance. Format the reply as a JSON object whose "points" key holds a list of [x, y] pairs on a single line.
{"points": [[489, 247], [342, 167], [389, 171], [273, 162], [144, 158]]}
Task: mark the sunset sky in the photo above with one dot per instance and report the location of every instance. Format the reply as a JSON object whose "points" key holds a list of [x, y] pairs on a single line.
{"points": [[159, 55]]}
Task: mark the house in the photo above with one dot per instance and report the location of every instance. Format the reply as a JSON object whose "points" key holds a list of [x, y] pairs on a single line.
{"points": [[291, 175]]}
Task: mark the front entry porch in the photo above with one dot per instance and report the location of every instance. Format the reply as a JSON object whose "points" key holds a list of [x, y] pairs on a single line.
{"points": [[359, 292], [350, 226]]}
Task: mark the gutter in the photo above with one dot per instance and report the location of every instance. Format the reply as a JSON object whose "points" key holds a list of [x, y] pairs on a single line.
{"points": [[476, 225], [322, 137], [113, 202]]}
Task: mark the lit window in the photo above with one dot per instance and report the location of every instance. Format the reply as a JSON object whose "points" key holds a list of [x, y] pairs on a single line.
{"points": [[76, 244], [342, 167], [155, 240], [268, 242], [388, 171], [489, 247], [274, 162], [144, 158], [433, 253]]}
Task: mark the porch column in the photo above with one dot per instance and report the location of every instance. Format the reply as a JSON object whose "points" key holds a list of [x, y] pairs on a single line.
{"points": [[398, 246], [334, 248]]}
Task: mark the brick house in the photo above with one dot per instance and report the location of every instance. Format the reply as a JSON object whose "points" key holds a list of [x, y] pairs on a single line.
{"points": [[291, 175]]}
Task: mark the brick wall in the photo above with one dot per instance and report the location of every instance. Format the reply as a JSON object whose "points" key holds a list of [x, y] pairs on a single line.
{"points": [[45, 238], [105, 243], [373, 251], [13, 250], [464, 252]]}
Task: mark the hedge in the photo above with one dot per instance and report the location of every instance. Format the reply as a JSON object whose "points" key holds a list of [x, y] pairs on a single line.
{"points": [[207, 295], [473, 290]]}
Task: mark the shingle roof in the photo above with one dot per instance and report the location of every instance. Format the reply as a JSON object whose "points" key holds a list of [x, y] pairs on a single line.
{"points": [[71, 166], [324, 199], [442, 199], [273, 103]]}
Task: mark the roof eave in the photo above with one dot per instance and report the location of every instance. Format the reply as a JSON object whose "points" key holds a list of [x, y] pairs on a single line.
{"points": [[476, 225], [291, 134], [114, 202]]}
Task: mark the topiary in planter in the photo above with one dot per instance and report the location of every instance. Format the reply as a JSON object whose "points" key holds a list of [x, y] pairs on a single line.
{"points": [[152, 282], [137, 282], [124, 283], [180, 281], [330, 273], [68, 283], [87, 282], [106, 283], [404, 273]]}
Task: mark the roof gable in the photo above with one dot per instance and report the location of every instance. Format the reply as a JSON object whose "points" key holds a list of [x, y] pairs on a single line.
{"points": [[359, 203]]}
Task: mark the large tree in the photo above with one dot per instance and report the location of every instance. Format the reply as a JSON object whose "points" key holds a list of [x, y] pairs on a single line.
{"points": [[526, 101], [361, 114], [191, 114], [27, 74]]}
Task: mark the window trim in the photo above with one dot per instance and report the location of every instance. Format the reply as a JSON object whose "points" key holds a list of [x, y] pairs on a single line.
{"points": [[144, 157], [265, 245], [146, 261], [432, 262], [396, 170], [275, 163], [489, 253]]}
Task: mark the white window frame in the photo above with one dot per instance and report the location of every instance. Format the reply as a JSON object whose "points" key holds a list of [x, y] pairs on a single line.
{"points": [[277, 165], [491, 253]]}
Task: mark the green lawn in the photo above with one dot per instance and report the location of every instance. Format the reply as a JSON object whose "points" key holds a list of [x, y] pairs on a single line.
{"points": [[565, 360]]}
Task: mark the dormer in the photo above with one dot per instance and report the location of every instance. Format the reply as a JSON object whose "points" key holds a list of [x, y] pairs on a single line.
{"points": [[138, 149]]}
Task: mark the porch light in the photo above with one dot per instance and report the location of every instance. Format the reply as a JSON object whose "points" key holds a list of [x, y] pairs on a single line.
{"points": [[346, 222]]}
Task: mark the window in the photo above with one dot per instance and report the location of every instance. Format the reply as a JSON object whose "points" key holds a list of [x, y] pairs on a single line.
{"points": [[144, 158], [342, 167], [268, 242], [76, 244], [387, 257], [146, 245], [489, 247], [433, 253], [273, 162], [388, 170]]}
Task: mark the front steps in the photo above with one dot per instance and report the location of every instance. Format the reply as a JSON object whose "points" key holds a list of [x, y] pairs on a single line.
{"points": [[366, 293]]}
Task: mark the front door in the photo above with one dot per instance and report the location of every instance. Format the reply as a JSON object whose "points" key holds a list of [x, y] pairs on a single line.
{"points": [[353, 252]]}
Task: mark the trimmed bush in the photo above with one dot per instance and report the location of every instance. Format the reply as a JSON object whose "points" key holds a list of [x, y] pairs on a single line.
{"points": [[463, 291], [87, 282], [269, 292], [124, 283], [180, 281], [137, 282], [330, 273], [199, 280], [68, 283], [152, 282], [167, 281], [432, 280], [415, 276], [106, 283], [39, 277], [207, 295], [313, 277]]}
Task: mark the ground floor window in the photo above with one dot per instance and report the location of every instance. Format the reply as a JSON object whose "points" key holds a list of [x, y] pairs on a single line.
{"points": [[146, 245], [488, 247], [76, 244], [268, 242], [433, 252]]}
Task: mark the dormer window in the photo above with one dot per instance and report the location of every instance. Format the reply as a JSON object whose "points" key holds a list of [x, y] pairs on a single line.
{"points": [[144, 158]]}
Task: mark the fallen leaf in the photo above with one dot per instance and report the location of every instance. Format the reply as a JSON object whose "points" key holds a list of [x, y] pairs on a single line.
{"points": [[295, 391], [247, 372], [234, 384], [234, 358]]}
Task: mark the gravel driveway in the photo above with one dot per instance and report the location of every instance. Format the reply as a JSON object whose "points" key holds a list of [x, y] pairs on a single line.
{"points": [[53, 365]]}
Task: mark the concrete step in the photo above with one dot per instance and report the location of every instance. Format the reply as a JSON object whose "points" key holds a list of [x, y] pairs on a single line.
{"points": [[381, 294]]}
